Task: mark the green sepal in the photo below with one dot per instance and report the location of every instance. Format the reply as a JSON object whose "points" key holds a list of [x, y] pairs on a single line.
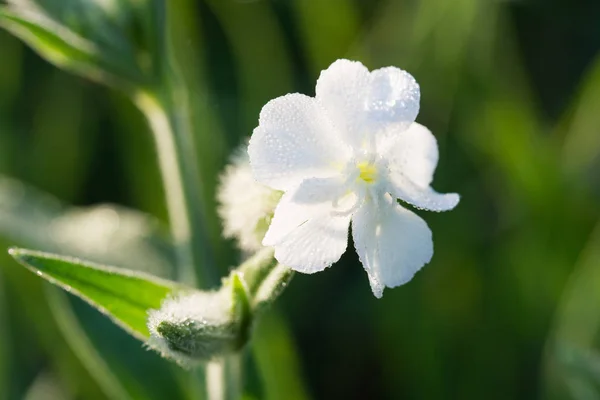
{"points": [[193, 340], [271, 287], [265, 278]]}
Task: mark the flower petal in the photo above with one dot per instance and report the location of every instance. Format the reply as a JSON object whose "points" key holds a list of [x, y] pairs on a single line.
{"points": [[315, 245], [413, 152], [412, 157], [392, 243], [341, 91], [309, 229], [311, 199], [361, 103], [424, 198], [393, 98], [294, 141]]}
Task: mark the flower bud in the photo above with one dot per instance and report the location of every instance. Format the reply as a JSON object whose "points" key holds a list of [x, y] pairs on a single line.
{"points": [[200, 326]]}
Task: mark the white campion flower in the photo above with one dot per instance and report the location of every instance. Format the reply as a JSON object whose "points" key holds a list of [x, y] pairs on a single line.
{"points": [[344, 157], [245, 206]]}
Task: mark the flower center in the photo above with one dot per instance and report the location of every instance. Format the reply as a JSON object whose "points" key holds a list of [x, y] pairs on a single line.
{"points": [[368, 172]]}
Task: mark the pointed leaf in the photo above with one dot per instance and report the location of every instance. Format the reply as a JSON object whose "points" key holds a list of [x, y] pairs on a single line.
{"points": [[68, 49], [124, 296], [55, 43]]}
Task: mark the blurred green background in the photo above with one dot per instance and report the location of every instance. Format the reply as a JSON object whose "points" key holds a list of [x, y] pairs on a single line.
{"points": [[509, 308]]}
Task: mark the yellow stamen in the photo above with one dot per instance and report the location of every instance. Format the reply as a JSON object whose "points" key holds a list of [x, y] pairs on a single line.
{"points": [[368, 172]]}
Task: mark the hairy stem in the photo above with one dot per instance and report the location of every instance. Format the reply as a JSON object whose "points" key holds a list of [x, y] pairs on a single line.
{"points": [[223, 378], [182, 187], [196, 267]]}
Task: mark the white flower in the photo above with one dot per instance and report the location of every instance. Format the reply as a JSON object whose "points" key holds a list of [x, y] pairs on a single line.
{"points": [[245, 206], [344, 157]]}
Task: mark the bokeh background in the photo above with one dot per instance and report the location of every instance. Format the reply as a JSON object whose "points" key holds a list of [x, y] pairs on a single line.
{"points": [[509, 308]]}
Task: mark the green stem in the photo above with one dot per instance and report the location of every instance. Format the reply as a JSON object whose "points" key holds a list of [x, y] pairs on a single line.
{"points": [[181, 181], [223, 378], [182, 187]]}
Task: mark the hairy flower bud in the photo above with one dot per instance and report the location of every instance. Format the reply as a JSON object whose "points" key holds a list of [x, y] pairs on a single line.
{"points": [[200, 326]]}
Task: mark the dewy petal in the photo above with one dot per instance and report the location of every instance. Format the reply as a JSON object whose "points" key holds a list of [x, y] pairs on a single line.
{"points": [[424, 198], [341, 91], [307, 233], [362, 104], [393, 98], [413, 152], [392, 243], [294, 141], [412, 156], [313, 198], [315, 245]]}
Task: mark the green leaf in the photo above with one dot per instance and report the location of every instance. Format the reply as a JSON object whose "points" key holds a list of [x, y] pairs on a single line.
{"points": [[121, 45], [124, 296], [105, 234], [61, 46]]}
